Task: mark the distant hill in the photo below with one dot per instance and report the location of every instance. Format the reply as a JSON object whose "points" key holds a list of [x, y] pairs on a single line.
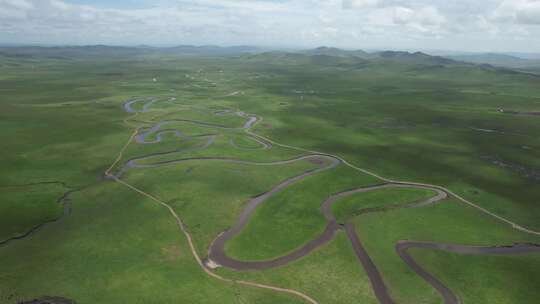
{"points": [[69, 52], [502, 60], [331, 51], [209, 50], [417, 57], [485, 60], [322, 59], [414, 62], [405, 57], [321, 56]]}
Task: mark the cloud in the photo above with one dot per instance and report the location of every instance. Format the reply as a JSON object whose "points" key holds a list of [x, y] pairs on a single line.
{"points": [[357, 4], [417, 20], [345, 23], [424, 17], [17, 4], [14, 9], [518, 11]]}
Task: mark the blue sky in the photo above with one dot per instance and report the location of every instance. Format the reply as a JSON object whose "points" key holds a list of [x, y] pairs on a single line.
{"points": [[114, 4], [479, 25], [129, 4]]}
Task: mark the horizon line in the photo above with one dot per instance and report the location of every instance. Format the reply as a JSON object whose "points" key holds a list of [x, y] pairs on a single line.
{"points": [[262, 47]]}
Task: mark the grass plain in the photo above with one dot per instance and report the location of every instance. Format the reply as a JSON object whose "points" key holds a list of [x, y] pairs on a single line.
{"points": [[62, 119]]}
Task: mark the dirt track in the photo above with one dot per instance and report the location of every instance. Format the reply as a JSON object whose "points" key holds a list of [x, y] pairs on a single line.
{"points": [[263, 145], [218, 257], [217, 253]]}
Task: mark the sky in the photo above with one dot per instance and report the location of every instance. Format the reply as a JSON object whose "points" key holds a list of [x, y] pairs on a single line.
{"points": [[458, 25]]}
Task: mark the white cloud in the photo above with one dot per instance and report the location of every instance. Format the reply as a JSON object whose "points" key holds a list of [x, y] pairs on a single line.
{"points": [[16, 4], [14, 9], [345, 23], [425, 16], [357, 4], [518, 11], [421, 20]]}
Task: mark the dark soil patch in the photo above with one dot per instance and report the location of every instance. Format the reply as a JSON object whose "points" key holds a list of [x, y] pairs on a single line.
{"points": [[49, 300]]}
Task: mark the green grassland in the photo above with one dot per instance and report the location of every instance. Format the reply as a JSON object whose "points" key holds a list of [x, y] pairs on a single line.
{"points": [[485, 279], [331, 278], [417, 119], [27, 206], [353, 205], [210, 195], [331, 274], [422, 126], [448, 222], [116, 247], [292, 217]]}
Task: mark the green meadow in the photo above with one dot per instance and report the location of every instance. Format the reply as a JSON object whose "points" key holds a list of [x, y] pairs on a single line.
{"points": [[446, 123]]}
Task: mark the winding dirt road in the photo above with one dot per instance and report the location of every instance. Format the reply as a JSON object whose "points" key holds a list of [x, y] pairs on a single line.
{"points": [[217, 256], [263, 145], [216, 251]]}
